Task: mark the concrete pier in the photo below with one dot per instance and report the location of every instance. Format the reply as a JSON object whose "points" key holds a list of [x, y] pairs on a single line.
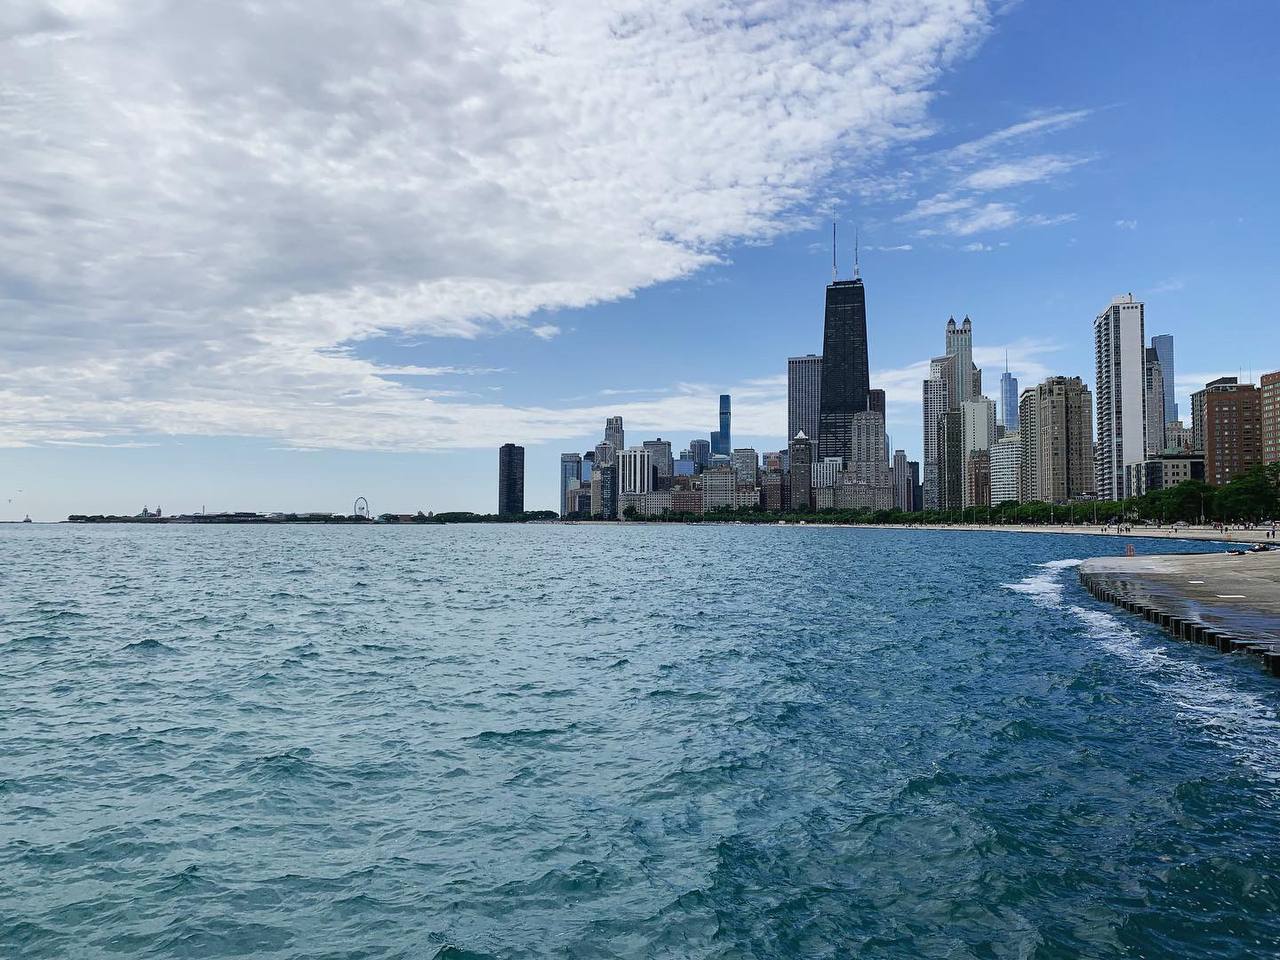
{"points": [[1231, 602]]}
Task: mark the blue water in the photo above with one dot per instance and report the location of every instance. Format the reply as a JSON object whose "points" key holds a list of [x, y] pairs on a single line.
{"points": [[650, 742]]}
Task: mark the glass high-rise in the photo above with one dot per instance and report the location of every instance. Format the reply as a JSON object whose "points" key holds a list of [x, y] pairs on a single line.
{"points": [[1163, 346], [510, 480], [846, 380], [721, 440]]}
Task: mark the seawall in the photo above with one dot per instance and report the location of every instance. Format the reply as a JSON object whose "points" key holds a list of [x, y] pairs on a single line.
{"points": [[1227, 601]]}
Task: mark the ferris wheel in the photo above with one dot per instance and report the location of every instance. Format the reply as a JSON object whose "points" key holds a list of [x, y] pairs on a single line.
{"points": [[361, 509]]}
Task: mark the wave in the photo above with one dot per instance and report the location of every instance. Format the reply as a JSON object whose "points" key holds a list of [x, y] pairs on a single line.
{"points": [[1239, 720]]}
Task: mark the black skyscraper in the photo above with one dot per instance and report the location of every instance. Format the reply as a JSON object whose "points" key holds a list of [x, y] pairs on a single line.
{"points": [[846, 380], [510, 480]]}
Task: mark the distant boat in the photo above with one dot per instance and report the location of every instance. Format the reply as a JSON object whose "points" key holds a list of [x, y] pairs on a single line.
{"points": [[28, 519]]}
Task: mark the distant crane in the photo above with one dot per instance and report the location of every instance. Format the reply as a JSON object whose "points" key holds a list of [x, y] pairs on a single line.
{"points": [[361, 509]]}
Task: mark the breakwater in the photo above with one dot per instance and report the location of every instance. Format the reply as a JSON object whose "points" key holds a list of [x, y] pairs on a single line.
{"points": [[1229, 601]]}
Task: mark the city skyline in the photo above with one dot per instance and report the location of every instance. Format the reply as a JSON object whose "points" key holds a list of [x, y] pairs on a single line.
{"points": [[315, 340]]}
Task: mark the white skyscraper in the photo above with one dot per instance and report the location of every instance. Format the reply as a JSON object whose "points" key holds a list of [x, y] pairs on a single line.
{"points": [[1119, 341], [1006, 469], [937, 400], [635, 472], [804, 394]]}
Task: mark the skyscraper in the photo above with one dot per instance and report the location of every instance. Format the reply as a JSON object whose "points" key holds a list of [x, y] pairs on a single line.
{"points": [[800, 475], [700, 452], [951, 472], [1006, 469], [937, 395], [660, 457], [510, 480], [1008, 401], [570, 473], [635, 471], [960, 346], [1057, 440], [1120, 352], [613, 433], [722, 440], [903, 487], [978, 426], [1154, 394], [846, 379], [746, 464], [804, 394], [1271, 417], [1163, 346]]}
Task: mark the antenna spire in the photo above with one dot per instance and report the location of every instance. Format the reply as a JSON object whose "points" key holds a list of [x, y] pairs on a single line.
{"points": [[857, 271], [834, 274]]}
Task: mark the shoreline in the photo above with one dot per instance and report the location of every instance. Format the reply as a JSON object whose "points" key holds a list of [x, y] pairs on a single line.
{"points": [[1203, 534]]}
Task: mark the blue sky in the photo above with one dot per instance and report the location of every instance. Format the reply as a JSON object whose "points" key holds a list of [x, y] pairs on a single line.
{"points": [[351, 257]]}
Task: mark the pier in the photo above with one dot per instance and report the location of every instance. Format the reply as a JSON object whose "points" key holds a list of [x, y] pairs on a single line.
{"points": [[1230, 601]]}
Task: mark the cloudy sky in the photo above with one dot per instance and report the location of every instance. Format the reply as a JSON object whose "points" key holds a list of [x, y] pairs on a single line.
{"points": [[262, 255]]}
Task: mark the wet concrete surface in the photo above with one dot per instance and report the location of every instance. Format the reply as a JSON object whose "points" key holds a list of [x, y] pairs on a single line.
{"points": [[1224, 600]]}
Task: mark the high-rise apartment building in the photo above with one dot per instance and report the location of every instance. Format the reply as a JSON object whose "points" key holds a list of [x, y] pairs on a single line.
{"points": [[1153, 387], [1270, 406], [570, 476], [1006, 469], [1028, 479], [1058, 460], [604, 453], [613, 433], [951, 472], [1231, 423], [800, 474], [1163, 346], [846, 379], [978, 424], [1119, 341], [804, 394], [510, 480]]}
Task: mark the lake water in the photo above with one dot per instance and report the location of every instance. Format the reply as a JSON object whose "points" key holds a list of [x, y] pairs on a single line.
{"points": [[592, 741]]}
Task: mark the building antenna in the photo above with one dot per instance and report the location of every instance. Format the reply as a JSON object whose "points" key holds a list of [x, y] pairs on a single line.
{"points": [[857, 271], [834, 274]]}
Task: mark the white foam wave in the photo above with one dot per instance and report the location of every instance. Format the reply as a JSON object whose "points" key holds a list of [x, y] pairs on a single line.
{"points": [[1243, 722]]}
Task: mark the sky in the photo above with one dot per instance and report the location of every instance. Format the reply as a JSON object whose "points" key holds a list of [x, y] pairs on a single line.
{"points": [[270, 256]]}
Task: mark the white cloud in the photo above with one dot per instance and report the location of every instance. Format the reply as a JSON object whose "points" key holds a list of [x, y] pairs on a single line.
{"points": [[1019, 172], [207, 206], [1038, 125], [898, 248], [977, 247], [545, 331], [1127, 224]]}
